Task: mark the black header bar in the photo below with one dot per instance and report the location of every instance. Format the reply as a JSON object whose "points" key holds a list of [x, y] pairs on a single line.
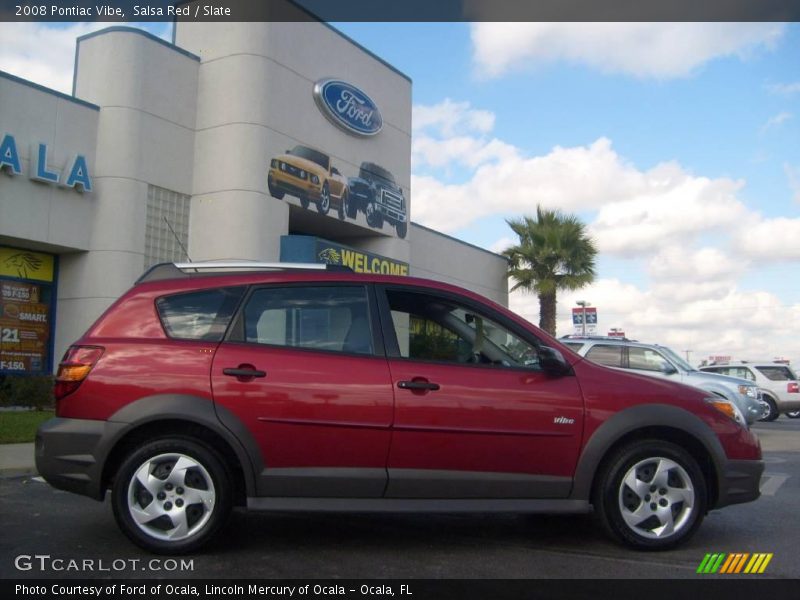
{"points": [[399, 10]]}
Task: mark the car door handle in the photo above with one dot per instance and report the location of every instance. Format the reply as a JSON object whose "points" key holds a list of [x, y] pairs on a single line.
{"points": [[418, 385], [244, 372]]}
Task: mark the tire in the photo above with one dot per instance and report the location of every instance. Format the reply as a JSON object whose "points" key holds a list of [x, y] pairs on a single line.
{"points": [[402, 229], [324, 202], [342, 200], [350, 208], [274, 192], [196, 496], [772, 411], [304, 201], [793, 414], [374, 216], [640, 476]]}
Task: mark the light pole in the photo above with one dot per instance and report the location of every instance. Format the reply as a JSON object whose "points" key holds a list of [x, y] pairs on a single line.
{"points": [[583, 304]]}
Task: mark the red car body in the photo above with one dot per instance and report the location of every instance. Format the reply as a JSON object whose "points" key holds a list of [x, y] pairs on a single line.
{"points": [[338, 431]]}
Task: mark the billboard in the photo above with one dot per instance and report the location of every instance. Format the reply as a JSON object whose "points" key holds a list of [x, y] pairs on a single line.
{"points": [[361, 190], [588, 328]]}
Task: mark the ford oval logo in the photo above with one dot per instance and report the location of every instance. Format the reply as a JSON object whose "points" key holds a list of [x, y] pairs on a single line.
{"points": [[348, 107]]}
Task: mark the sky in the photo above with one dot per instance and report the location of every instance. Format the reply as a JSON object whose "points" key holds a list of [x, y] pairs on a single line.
{"points": [[676, 143]]}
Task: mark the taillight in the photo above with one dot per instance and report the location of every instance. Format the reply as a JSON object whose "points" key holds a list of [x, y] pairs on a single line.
{"points": [[74, 368], [793, 387]]}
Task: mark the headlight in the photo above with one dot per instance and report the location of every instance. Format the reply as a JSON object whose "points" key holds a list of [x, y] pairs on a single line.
{"points": [[748, 390], [727, 408], [314, 179], [302, 174]]}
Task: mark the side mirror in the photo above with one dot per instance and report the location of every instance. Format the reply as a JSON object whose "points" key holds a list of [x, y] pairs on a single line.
{"points": [[668, 369], [552, 361]]}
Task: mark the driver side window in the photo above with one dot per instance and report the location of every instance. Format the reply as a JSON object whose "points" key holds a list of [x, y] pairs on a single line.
{"points": [[433, 328]]}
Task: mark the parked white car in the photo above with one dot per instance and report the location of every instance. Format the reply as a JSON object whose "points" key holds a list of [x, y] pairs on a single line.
{"points": [[779, 384], [660, 361]]}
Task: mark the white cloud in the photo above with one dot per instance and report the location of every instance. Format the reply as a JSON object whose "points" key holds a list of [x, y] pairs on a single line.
{"points": [[691, 236], [657, 50], [44, 53], [776, 239], [793, 175], [671, 206], [776, 121], [738, 323], [449, 118], [705, 264], [785, 88], [500, 245]]}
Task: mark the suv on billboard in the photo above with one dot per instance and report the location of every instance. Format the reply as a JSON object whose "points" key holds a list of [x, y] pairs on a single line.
{"points": [[376, 193], [208, 386], [660, 361], [779, 385], [309, 175]]}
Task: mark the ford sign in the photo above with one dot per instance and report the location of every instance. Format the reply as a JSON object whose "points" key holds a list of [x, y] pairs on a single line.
{"points": [[348, 107]]}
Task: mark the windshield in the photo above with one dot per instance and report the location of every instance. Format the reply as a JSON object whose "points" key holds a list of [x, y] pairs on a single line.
{"points": [[676, 359], [312, 155], [378, 172]]}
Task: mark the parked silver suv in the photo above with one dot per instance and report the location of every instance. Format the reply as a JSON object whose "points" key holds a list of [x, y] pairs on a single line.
{"points": [[780, 385], [660, 361]]}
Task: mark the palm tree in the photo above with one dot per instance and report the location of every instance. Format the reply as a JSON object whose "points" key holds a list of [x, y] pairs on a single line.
{"points": [[554, 253]]}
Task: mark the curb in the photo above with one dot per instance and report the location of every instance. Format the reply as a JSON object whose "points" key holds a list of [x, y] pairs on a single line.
{"points": [[13, 472]]}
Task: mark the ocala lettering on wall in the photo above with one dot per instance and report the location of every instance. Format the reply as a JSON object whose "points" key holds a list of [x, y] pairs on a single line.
{"points": [[74, 175]]}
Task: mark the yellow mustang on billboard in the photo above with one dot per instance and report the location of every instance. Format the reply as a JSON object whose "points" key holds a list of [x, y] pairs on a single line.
{"points": [[308, 174]]}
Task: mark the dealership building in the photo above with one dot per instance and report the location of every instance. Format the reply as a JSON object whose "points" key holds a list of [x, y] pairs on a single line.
{"points": [[259, 141]]}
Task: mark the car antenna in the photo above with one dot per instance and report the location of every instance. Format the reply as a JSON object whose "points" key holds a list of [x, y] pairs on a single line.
{"points": [[177, 239]]}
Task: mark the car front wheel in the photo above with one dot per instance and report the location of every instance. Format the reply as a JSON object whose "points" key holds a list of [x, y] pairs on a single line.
{"points": [[770, 410], [324, 202], [651, 495], [793, 414], [172, 495]]}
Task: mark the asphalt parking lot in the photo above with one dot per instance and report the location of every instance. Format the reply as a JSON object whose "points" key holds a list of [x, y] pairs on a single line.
{"points": [[37, 520]]}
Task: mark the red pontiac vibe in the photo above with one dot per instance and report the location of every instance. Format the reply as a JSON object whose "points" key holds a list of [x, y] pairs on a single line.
{"points": [[277, 387]]}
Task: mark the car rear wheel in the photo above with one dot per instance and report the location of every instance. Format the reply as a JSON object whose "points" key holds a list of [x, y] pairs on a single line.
{"points": [[172, 495], [350, 206], [651, 495], [771, 410], [793, 414], [324, 202]]}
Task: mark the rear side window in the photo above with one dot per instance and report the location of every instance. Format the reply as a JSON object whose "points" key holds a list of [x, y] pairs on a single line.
{"points": [[573, 345], [610, 356], [776, 373], [202, 315], [317, 318]]}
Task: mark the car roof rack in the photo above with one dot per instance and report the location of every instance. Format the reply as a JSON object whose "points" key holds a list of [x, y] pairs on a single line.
{"points": [[180, 270], [596, 337]]}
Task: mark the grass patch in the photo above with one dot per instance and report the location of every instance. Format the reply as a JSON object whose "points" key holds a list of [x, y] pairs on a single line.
{"points": [[18, 427]]}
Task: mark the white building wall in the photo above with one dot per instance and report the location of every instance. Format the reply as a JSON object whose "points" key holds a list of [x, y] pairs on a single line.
{"points": [[147, 93], [46, 214], [438, 256], [255, 100]]}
